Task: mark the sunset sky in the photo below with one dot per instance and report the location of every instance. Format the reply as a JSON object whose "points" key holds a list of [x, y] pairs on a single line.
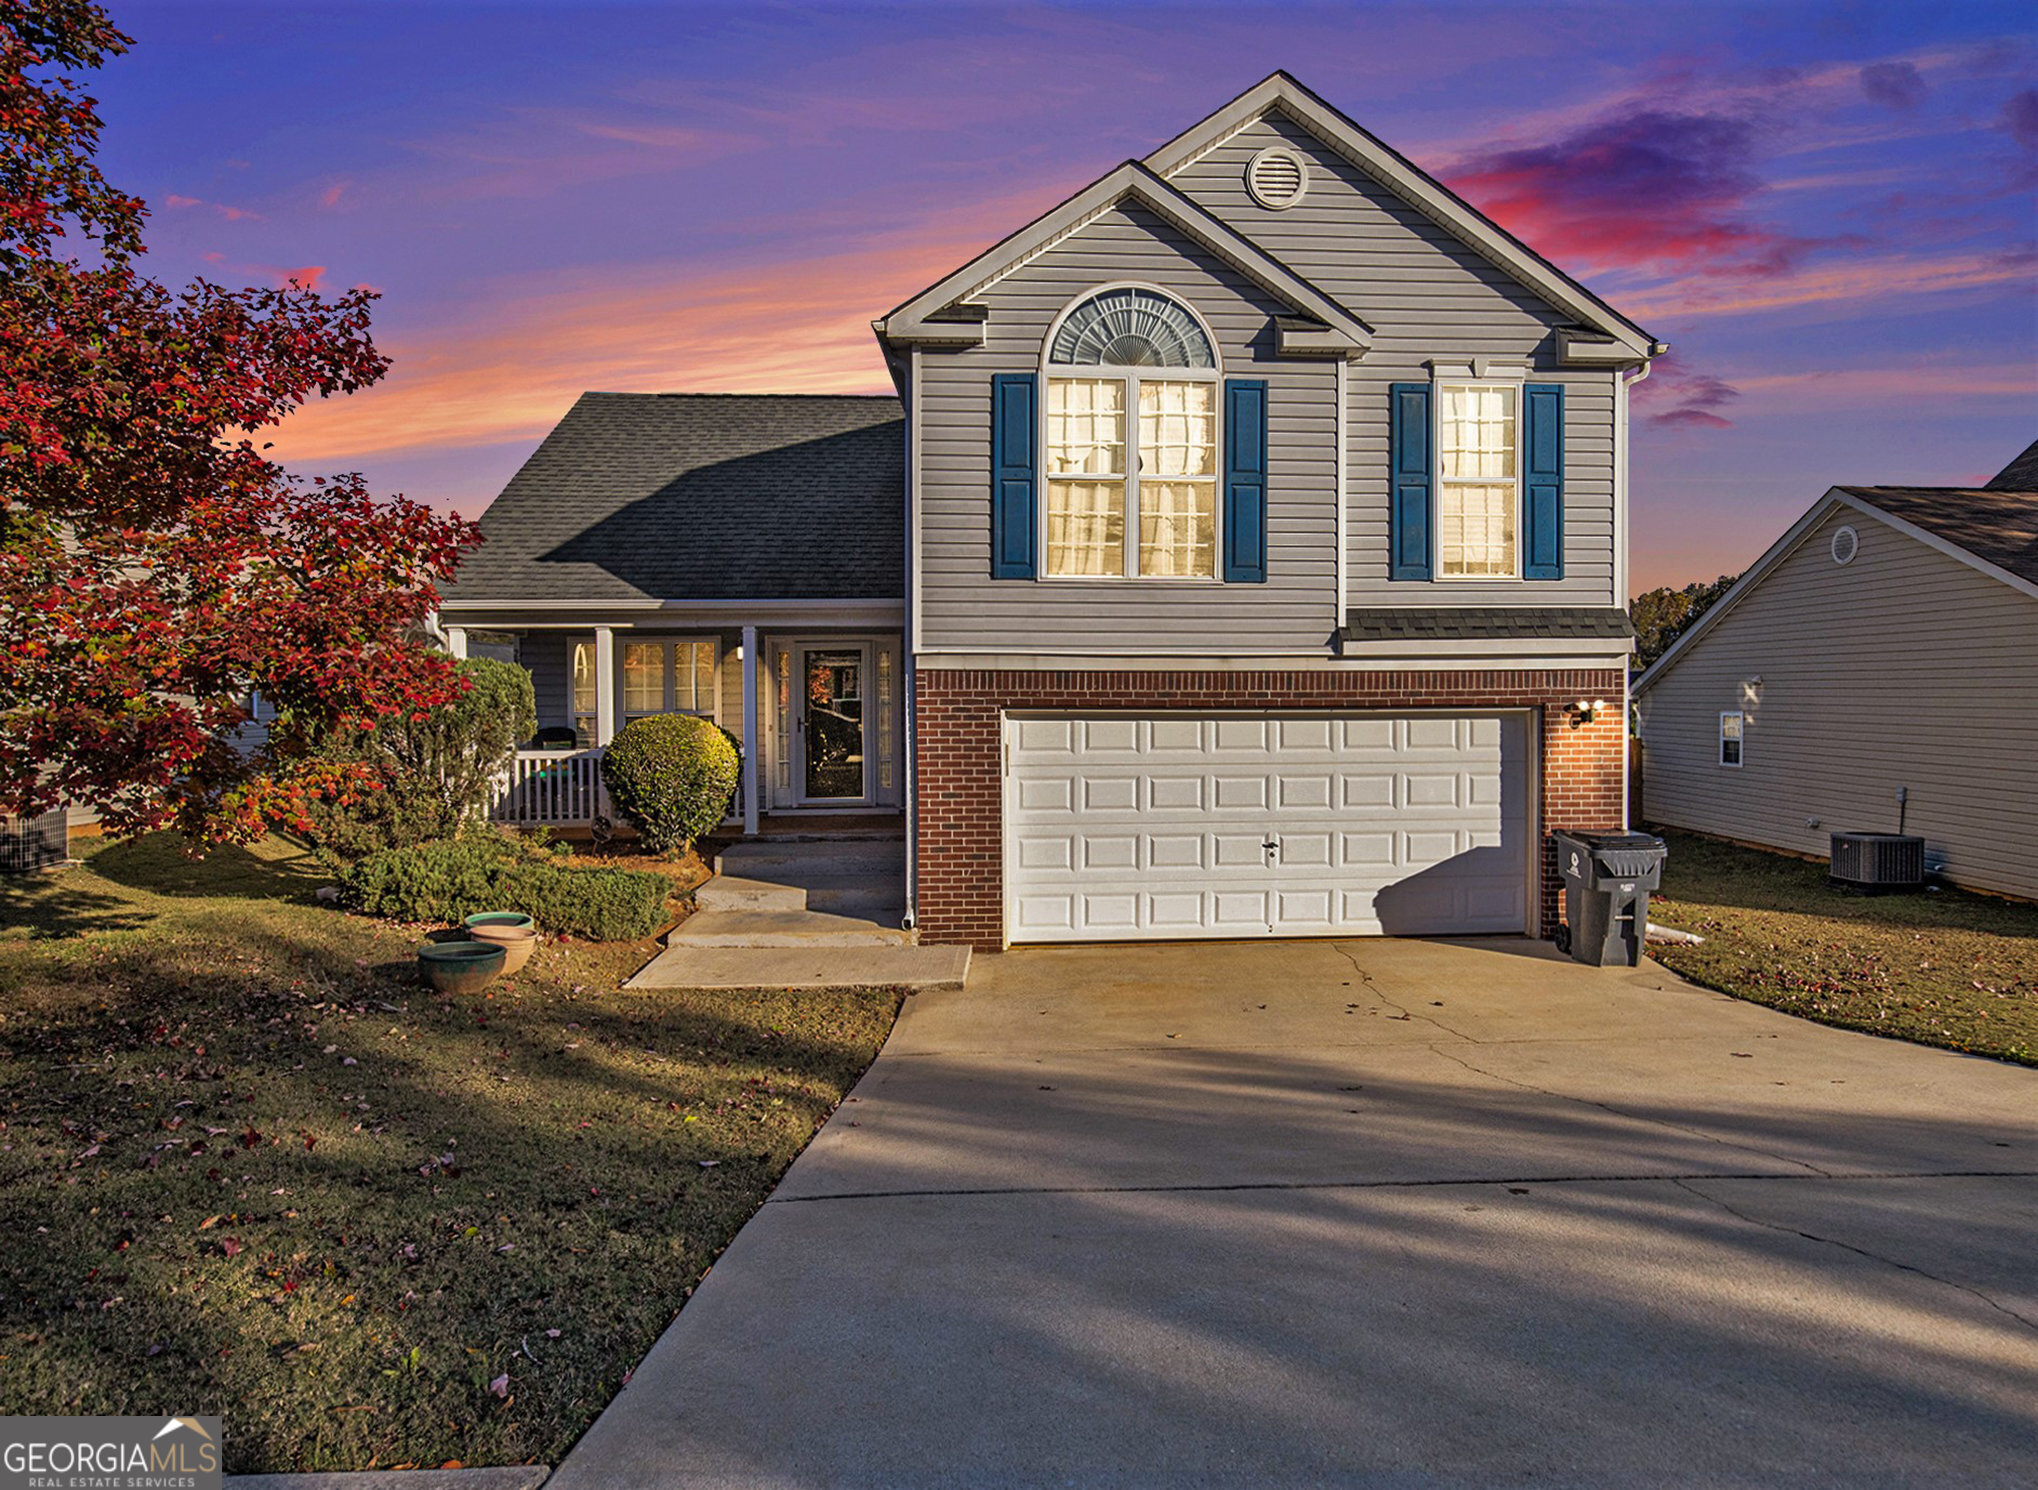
{"points": [[1829, 210]]}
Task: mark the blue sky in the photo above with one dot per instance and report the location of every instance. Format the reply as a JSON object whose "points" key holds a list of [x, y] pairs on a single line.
{"points": [[1829, 210]]}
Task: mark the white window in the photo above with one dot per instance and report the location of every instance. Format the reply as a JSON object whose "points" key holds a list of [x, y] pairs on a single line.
{"points": [[1730, 739], [659, 677], [1132, 438], [584, 704], [1478, 485]]}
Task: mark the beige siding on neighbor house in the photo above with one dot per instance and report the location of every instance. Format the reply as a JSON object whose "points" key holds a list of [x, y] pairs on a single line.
{"points": [[1906, 667], [1426, 296]]}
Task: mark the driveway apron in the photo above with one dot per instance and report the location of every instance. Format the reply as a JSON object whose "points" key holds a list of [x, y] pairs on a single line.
{"points": [[1371, 1212]]}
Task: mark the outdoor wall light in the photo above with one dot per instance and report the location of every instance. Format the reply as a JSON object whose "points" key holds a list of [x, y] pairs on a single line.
{"points": [[1586, 710]]}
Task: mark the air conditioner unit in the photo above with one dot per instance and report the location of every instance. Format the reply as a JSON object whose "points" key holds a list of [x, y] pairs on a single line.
{"points": [[1878, 862], [28, 843]]}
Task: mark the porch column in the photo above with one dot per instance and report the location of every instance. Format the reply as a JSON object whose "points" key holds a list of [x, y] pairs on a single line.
{"points": [[456, 642], [753, 736], [605, 684]]}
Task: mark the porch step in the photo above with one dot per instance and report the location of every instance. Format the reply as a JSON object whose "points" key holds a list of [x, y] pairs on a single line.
{"points": [[783, 929], [921, 968], [821, 857], [729, 892]]}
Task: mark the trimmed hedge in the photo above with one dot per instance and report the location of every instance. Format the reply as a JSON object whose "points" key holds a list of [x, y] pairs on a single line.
{"points": [[672, 777], [449, 880]]}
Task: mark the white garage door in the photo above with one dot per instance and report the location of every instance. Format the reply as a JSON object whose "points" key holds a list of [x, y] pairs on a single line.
{"points": [[1124, 827]]}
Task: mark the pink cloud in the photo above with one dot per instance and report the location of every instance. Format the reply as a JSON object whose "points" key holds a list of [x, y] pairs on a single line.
{"points": [[796, 327], [1641, 189], [1695, 398], [306, 278], [330, 197], [231, 214]]}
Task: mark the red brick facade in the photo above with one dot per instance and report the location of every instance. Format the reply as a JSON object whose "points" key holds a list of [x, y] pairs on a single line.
{"points": [[958, 735]]}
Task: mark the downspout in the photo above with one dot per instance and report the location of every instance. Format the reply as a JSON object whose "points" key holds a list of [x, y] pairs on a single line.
{"points": [[909, 672], [1627, 703]]}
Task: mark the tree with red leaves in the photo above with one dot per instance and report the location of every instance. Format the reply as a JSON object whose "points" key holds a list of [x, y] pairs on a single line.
{"points": [[155, 565]]}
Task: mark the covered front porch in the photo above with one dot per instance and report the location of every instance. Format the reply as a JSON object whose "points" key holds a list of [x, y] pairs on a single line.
{"points": [[812, 695]]}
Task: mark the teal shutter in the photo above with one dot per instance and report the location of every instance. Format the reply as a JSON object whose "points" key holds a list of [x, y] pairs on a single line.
{"points": [[1411, 476], [1015, 409], [1245, 481], [1542, 484]]}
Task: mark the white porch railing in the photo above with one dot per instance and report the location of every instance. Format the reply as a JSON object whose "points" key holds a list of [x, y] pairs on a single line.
{"points": [[559, 789], [550, 789]]}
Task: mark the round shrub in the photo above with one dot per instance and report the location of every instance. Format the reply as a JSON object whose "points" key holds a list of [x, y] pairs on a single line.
{"points": [[672, 777]]}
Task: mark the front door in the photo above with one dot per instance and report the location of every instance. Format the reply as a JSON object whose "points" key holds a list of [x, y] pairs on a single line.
{"points": [[831, 763]]}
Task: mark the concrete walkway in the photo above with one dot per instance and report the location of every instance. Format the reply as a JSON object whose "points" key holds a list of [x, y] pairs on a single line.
{"points": [[1367, 1213]]}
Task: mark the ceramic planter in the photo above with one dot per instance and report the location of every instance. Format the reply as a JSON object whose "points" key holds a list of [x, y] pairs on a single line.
{"points": [[461, 967], [518, 942], [498, 918]]}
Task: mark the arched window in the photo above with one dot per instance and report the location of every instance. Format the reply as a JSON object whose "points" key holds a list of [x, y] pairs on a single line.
{"points": [[1132, 440]]}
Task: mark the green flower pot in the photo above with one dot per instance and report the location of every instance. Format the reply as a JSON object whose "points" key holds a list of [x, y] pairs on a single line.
{"points": [[461, 967]]}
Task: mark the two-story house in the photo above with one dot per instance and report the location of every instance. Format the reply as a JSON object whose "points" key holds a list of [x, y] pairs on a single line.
{"points": [[1243, 555]]}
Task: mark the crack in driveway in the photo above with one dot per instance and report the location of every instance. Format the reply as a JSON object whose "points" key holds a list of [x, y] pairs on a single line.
{"points": [[1686, 1183]]}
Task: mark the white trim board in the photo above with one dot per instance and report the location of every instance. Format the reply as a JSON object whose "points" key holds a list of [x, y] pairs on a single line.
{"points": [[934, 315]]}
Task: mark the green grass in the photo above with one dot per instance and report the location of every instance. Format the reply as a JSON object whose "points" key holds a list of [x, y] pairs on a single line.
{"points": [[1943, 968], [250, 1165]]}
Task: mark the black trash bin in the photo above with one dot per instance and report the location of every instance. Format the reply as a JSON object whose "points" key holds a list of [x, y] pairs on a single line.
{"points": [[1607, 880]]}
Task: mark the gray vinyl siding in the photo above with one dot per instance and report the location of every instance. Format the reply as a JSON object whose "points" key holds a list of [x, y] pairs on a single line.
{"points": [[962, 607], [1905, 667], [546, 656], [1426, 296]]}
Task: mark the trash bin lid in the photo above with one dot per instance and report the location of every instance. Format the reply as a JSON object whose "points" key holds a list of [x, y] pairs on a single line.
{"points": [[1602, 843], [1628, 863]]}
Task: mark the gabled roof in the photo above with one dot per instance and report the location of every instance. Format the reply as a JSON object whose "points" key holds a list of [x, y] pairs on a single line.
{"points": [[947, 314], [701, 496], [2020, 474], [1994, 532], [1427, 195]]}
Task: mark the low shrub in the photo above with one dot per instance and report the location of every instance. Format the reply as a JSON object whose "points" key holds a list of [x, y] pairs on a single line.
{"points": [[603, 905], [672, 777], [453, 879]]}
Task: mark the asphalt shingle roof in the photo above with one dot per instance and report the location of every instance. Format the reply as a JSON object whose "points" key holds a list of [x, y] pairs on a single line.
{"points": [[1454, 623], [701, 496], [2020, 474], [2000, 527]]}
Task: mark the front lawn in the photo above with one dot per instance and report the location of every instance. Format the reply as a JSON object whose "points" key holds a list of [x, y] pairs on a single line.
{"points": [[1942, 968], [249, 1165]]}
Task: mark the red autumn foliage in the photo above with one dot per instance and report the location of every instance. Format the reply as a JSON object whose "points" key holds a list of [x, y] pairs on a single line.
{"points": [[155, 565]]}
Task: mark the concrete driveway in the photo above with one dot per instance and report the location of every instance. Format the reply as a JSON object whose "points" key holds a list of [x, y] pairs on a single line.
{"points": [[1368, 1213]]}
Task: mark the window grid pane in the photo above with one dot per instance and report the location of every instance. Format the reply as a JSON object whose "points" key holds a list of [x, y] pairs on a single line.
{"points": [[1475, 530], [1085, 427], [1477, 433], [1178, 529], [1085, 528], [643, 677], [1177, 429], [583, 678]]}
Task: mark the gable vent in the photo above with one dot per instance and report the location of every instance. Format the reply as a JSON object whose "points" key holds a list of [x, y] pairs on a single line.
{"points": [[1846, 544], [1277, 177]]}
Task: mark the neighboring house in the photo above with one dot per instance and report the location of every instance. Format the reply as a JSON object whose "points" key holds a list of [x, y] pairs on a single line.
{"points": [[1888, 640], [1244, 555]]}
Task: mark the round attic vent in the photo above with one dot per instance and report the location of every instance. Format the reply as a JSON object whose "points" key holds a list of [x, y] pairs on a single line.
{"points": [[1846, 544], [1277, 177]]}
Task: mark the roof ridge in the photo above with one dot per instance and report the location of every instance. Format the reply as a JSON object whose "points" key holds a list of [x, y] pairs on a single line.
{"points": [[684, 393]]}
